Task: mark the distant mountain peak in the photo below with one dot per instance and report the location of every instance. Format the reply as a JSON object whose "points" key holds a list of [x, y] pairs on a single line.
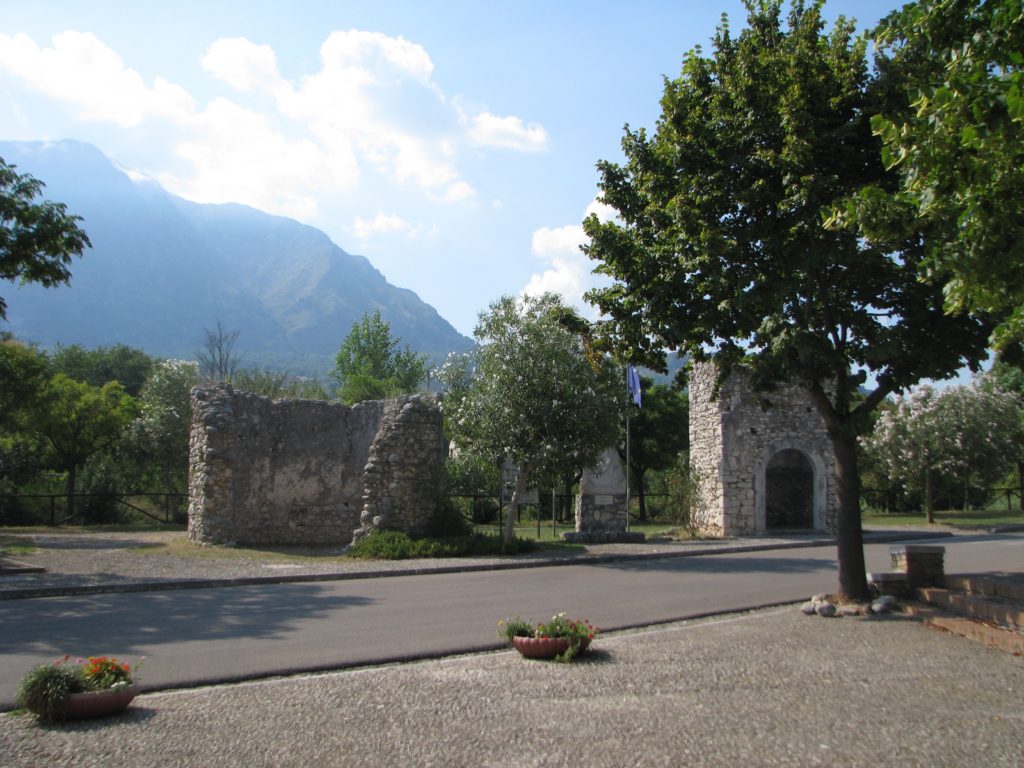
{"points": [[163, 268]]}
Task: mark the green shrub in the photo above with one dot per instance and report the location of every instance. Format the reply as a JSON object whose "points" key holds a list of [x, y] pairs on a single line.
{"points": [[396, 545], [46, 688], [449, 521]]}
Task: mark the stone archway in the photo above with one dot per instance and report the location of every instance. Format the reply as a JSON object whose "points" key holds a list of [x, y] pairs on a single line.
{"points": [[790, 487], [789, 490]]}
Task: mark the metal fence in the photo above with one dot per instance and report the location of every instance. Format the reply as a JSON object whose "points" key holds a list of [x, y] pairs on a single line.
{"points": [[54, 508]]}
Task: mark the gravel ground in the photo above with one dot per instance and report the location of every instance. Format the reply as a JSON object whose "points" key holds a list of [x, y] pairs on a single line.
{"points": [[768, 688]]}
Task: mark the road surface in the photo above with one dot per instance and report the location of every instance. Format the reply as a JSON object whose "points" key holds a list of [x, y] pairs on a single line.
{"points": [[197, 636]]}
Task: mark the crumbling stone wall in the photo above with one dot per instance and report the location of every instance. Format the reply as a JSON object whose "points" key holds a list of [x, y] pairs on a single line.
{"points": [[734, 438], [303, 471], [404, 474]]}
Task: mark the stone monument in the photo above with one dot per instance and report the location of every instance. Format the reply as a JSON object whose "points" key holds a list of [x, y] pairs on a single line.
{"points": [[601, 504]]}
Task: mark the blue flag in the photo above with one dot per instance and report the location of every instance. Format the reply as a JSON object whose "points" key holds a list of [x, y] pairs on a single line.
{"points": [[633, 382]]}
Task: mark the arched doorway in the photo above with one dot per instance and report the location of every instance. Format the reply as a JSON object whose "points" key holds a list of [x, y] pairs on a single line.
{"points": [[789, 490]]}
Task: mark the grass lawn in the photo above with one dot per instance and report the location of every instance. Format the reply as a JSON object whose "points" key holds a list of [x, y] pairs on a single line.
{"points": [[974, 518], [13, 546], [529, 530]]}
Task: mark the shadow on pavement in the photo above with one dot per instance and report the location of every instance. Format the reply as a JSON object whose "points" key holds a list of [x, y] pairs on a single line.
{"points": [[98, 621], [725, 564]]}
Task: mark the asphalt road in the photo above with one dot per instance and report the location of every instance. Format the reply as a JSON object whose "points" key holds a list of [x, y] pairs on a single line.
{"points": [[213, 635]]}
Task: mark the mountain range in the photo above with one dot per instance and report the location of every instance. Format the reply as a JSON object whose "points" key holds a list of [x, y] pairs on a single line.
{"points": [[163, 269]]}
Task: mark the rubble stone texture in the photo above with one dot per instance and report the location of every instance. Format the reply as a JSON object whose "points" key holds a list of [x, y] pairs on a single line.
{"points": [[300, 472], [762, 461]]}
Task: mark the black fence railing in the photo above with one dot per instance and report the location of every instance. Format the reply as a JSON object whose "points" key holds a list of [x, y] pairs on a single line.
{"points": [[974, 497], [55, 509]]}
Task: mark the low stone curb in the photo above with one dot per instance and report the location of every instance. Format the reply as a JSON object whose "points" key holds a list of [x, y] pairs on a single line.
{"points": [[1005, 640], [244, 581], [14, 567]]}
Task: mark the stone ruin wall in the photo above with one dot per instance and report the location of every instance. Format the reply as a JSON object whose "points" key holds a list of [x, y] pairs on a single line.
{"points": [[732, 439], [308, 472]]}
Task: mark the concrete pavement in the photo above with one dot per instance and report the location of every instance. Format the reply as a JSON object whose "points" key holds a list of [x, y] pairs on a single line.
{"points": [[768, 688]]}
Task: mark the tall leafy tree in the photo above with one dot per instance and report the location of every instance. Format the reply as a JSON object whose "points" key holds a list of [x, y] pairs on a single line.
{"points": [[958, 146], [536, 396], [658, 432], [23, 373], [720, 247], [38, 238], [161, 430], [370, 365], [78, 420], [120, 363]]}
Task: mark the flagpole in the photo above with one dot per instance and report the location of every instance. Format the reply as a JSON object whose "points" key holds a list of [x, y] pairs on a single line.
{"points": [[627, 470], [627, 451]]}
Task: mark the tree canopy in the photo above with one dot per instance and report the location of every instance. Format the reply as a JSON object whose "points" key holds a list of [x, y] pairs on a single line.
{"points": [[962, 435], [957, 142], [370, 366], [536, 396], [37, 238], [658, 432], [77, 420], [720, 247], [127, 365]]}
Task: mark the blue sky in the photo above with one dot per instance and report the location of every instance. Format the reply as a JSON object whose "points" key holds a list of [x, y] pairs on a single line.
{"points": [[452, 143]]}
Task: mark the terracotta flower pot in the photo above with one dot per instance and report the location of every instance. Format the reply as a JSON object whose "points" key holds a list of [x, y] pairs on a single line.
{"points": [[81, 706], [545, 647]]}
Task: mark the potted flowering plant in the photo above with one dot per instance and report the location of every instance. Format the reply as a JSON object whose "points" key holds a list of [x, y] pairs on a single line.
{"points": [[65, 689], [561, 638]]}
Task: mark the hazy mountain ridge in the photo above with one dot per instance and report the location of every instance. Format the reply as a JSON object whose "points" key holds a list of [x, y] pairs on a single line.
{"points": [[163, 268]]}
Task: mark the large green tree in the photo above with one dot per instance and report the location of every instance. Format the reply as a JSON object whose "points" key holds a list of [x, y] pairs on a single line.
{"points": [[957, 141], [38, 238], [658, 431], [23, 373], [78, 420], [371, 366], [127, 365], [536, 397], [720, 248]]}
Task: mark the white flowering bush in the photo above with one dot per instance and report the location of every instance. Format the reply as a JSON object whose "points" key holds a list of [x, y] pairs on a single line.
{"points": [[958, 438], [535, 393], [161, 431]]}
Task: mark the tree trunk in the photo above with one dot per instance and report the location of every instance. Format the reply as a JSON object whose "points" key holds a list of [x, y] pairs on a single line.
{"points": [[513, 506], [853, 583], [1020, 484], [929, 505], [72, 480]]}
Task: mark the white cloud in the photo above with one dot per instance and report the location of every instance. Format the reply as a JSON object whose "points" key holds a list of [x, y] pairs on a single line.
{"points": [[459, 192], [371, 108], [238, 156], [604, 211], [566, 277], [81, 70], [489, 130], [382, 223], [570, 272], [243, 65], [369, 51], [564, 240]]}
